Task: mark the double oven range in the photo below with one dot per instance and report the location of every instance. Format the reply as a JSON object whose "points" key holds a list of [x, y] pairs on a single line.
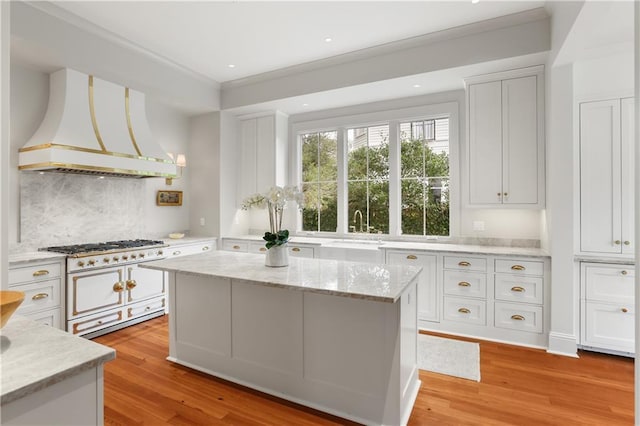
{"points": [[107, 290]]}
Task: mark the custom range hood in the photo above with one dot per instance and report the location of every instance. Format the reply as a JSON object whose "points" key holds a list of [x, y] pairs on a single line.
{"points": [[95, 127]]}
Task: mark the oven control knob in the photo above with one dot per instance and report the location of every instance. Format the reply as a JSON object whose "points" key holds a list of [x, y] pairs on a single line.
{"points": [[133, 256], [125, 257], [106, 260], [92, 262], [80, 263], [116, 258], [141, 255]]}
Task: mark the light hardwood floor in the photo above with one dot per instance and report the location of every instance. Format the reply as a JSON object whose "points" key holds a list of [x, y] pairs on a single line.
{"points": [[519, 386]]}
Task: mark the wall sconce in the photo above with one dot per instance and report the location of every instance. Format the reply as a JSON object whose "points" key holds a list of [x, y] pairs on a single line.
{"points": [[181, 162]]}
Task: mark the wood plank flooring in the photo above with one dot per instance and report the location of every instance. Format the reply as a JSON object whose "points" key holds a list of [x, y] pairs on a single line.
{"points": [[519, 386]]}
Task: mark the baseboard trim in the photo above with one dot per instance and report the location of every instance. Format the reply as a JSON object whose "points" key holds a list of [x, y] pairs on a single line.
{"points": [[563, 344]]}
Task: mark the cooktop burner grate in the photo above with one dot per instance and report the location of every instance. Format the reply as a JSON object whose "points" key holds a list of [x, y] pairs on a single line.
{"points": [[102, 247]]}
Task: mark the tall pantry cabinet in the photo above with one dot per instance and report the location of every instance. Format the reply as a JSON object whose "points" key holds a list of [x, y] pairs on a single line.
{"points": [[607, 225]]}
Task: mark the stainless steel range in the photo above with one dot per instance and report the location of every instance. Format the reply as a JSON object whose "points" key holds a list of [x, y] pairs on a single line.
{"points": [[105, 289]]}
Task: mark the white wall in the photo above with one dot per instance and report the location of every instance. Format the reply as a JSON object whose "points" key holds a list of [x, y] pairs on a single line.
{"points": [[4, 143], [29, 97]]}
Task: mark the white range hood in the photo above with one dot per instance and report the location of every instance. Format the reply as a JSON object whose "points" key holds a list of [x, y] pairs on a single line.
{"points": [[93, 126]]}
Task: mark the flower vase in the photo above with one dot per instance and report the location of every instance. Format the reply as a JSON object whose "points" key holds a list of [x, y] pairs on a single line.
{"points": [[277, 256]]}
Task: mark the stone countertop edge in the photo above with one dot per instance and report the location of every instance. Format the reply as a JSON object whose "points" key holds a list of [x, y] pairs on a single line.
{"points": [[187, 240], [39, 356], [250, 268], [33, 256], [604, 259]]}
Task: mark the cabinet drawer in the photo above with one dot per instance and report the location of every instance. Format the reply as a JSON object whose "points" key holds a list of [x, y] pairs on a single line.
{"points": [[515, 288], [515, 266], [471, 284], [516, 316], [297, 251], [465, 310], [408, 258], [235, 246], [95, 322], [609, 326], [34, 272], [257, 247], [613, 283], [39, 296], [146, 307], [465, 263], [50, 317], [189, 249]]}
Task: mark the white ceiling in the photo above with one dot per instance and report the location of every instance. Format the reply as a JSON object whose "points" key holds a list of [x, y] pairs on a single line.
{"points": [[262, 36]]}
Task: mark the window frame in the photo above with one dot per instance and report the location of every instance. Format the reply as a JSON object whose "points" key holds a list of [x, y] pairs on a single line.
{"points": [[393, 118]]}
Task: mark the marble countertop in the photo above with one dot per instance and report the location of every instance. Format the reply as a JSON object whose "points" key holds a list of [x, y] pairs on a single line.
{"points": [[383, 283], [187, 240], [33, 256], [36, 356]]}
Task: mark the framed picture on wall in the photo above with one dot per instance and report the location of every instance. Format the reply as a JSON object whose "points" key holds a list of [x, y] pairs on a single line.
{"points": [[169, 198]]}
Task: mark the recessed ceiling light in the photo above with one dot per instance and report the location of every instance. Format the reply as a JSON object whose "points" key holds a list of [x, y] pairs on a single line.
{"points": [[328, 39], [305, 104], [41, 173], [416, 86], [231, 66], [475, 1], [100, 177]]}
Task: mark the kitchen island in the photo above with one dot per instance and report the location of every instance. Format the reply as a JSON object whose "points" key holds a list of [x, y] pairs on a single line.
{"points": [[337, 336]]}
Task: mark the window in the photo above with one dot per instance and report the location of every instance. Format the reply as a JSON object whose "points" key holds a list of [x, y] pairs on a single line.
{"points": [[391, 175], [319, 181], [368, 179], [424, 175]]}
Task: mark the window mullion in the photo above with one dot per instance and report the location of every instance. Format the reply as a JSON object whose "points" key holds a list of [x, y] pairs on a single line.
{"points": [[395, 187], [343, 208]]}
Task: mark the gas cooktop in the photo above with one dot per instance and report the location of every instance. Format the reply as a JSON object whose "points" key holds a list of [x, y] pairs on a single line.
{"points": [[103, 247]]}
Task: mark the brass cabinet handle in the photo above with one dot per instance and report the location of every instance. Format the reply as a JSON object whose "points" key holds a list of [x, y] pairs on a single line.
{"points": [[506, 195], [99, 322], [39, 296], [263, 249], [627, 242], [131, 284], [499, 194], [412, 257], [624, 272], [147, 308], [625, 310], [40, 273], [118, 287], [464, 284], [518, 289], [177, 252], [295, 249], [518, 268], [205, 248], [236, 247], [464, 311], [517, 317], [464, 263], [617, 242]]}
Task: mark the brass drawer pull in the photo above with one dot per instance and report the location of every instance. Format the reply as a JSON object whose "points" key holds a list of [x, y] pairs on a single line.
{"points": [[263, 249], [518, 289], [40, 273], [617, 242], [464, 263], [518, 268], [625, 310], [205, 248], [177, 252], [412, 257], [626, 243], [624, 272], [236, 247], [464, 284], [295, 249], [39, 296], [517, 317], [464, 311]]}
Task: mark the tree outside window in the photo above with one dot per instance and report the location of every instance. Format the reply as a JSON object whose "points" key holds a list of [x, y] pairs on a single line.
{"points": [[320, 181]]}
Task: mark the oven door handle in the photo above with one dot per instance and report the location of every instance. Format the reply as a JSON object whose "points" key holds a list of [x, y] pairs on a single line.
{"points": [[131, 284]]}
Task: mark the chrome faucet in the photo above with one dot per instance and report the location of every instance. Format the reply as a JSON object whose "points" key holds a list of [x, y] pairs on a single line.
{"points": [[355, 214]]}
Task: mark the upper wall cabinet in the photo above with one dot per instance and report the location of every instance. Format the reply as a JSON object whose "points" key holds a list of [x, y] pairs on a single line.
{"points": [[606, 176], [263, 153], [505, 152]]}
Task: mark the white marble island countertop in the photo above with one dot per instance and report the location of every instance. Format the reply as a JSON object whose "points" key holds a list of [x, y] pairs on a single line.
{"points": [[36, 356], [383, 283]]}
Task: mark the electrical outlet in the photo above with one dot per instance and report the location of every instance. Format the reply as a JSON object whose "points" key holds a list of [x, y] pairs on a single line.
{"points": [[202, 221], [478, 225]]}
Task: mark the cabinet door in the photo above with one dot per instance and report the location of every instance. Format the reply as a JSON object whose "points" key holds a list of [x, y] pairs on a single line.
{"points": [[485, 143], [144, 283], [600, 228], [627, 111], [610, 326], [520, 141], [265, 153], [428, 300], [248, 159]]}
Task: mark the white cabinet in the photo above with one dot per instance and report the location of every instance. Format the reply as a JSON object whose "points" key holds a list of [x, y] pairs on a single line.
{"points": [[607, 176], [255, 246], [505, 153], [41, 283], [428, 294], [263, 153], [179, 249], [607, 307]]}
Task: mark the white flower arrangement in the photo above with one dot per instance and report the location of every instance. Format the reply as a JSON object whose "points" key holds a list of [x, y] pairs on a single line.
{"points": [[274, 200]]}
